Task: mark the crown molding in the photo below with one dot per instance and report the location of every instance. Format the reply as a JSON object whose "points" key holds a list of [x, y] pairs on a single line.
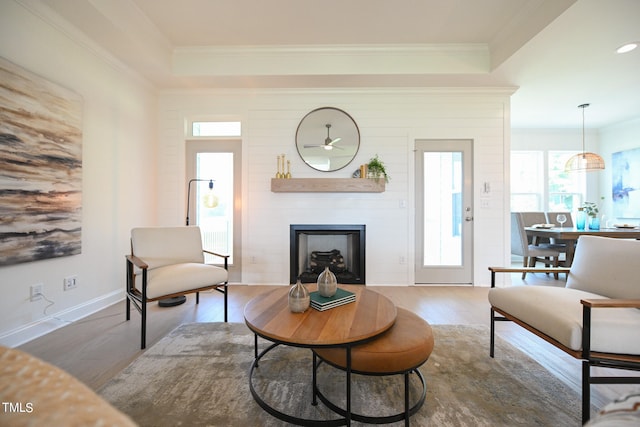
{"points": [[331, 60], [50, 17]]}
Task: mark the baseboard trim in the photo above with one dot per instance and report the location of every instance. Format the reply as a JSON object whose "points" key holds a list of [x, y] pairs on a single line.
{"points": [[49, 324]]}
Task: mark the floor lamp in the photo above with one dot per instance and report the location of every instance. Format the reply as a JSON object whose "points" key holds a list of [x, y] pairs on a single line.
{"points": [[172, 302], [189, 193]]}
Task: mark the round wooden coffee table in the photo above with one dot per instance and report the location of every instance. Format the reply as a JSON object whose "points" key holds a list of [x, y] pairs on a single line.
{"points": [[269, 317]]}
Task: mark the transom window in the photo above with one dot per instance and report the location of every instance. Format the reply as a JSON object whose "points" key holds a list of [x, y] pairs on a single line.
{"points": [[215, 128]]}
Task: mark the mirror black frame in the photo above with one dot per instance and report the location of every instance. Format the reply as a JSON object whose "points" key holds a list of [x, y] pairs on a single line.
{"points": [[311, 138]]}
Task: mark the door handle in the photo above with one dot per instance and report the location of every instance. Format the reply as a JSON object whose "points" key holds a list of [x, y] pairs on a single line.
{"points": [[468, 218]]}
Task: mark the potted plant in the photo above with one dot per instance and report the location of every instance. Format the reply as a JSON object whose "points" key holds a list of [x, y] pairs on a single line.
{"points": [[591, 210], [376, 169]]}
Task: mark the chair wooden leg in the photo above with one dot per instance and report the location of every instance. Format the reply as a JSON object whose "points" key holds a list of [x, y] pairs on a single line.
{"points": [[525, 262], [531, 263]]}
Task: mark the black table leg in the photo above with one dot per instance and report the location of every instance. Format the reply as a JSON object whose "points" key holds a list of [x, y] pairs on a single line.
{"points": [[348, 385]]}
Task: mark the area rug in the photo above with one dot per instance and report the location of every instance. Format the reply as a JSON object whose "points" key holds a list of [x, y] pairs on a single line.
{"points": [[198, 375]]}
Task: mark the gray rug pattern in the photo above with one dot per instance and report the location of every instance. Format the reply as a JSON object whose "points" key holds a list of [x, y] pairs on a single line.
{"points": [[198, 376]]}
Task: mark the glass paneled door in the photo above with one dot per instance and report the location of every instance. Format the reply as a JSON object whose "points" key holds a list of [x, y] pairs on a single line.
{"points": [[216, 210], [444, 216]]}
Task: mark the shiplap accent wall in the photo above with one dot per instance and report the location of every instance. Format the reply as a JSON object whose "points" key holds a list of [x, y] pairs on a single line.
{"points": [[390, 121]]}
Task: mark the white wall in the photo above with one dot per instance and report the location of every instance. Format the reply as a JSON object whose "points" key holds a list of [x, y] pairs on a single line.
{"points": [[119, 133], [389, 122]]}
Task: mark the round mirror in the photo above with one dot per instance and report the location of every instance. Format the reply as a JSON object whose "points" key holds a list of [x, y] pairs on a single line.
{"points": [[327, 139]]}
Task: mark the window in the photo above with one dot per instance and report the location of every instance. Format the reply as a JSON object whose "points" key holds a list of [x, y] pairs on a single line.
{"points": [[566, 190], [527, 181], [214, 207], [539, 182], [208, 128]]}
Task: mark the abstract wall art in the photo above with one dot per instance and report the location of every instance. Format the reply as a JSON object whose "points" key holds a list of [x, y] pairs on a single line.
{"points": [[625, 183], [40, 168]]}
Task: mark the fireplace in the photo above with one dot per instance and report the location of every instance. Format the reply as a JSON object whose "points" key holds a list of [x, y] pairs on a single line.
{"points": [[338, 246]]}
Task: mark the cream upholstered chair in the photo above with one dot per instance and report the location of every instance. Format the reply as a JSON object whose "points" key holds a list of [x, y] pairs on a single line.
{"points": [[532, 218], [595, 317], [166, 262], [530, 253]]}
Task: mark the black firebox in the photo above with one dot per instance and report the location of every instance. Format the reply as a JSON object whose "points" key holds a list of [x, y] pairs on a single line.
{"points": [[341, 247]]}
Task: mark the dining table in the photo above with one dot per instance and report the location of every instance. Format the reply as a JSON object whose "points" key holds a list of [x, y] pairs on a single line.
{"points": [[571, 235]]}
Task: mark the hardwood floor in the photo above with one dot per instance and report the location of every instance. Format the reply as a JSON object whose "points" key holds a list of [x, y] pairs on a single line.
{"points": [[101, 345]]}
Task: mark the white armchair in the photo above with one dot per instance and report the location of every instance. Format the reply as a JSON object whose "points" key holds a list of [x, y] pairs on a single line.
{"points": [[166, 262], [595, 317]]}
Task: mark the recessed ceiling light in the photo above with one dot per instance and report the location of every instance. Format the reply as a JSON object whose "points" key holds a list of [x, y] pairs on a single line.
{"points": [[627, 47]]}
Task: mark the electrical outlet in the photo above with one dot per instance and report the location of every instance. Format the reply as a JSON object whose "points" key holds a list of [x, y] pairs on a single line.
{"points": [[70, 282], [37, 292]]}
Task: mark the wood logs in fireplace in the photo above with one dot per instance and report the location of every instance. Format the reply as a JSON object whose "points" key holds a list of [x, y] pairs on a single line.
{"points": [[333, 259], [318, 260]]}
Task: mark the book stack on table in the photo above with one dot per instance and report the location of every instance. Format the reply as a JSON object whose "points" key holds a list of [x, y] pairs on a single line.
{"points": [[341, 297]]}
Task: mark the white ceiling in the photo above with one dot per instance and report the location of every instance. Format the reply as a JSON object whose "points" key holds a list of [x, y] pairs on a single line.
{"points": [[557, 53]]}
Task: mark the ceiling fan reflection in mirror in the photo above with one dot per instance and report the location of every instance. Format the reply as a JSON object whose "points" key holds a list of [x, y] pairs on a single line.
{"points": [[328, 142], [317, 139]]}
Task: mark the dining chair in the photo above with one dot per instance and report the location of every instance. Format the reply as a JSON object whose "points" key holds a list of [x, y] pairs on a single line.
{"points": [[532, 218], [529, 252]]}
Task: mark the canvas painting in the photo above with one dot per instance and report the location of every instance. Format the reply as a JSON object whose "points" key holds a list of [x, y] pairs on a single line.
{"points": [[625, 181], [40, 168]]}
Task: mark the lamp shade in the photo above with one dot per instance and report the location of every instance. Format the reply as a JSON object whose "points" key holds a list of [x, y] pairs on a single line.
{"points": [[584, 161]]}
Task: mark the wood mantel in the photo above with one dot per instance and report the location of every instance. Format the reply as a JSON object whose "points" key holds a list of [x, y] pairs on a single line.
{"points": [[327, 185]]}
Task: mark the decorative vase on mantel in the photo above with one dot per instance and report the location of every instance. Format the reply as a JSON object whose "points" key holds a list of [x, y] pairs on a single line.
{"points": [[299, 299], [327, 283]]}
